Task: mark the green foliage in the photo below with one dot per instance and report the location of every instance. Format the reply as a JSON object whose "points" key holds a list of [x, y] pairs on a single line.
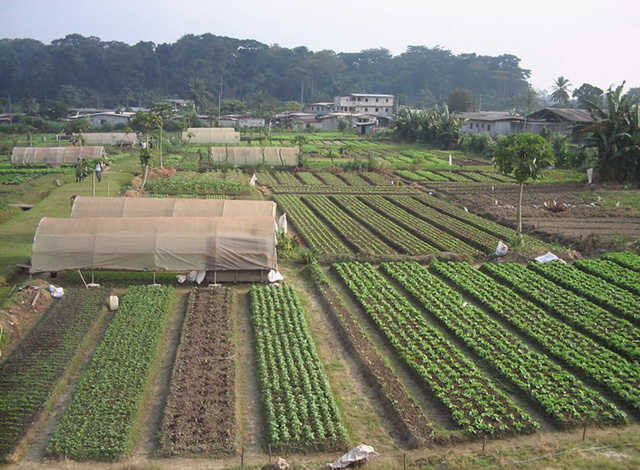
{"points": [[436, 126], [522, 156], [100, 417], [616, 135]]}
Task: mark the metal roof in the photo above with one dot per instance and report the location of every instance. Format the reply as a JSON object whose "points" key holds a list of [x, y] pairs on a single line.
{"points": [[562, 114], [491, 116]]}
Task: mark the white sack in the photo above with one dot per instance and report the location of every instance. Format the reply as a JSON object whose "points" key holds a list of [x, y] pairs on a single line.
{"points": [[501, 249], [361, 454], [274, 276], [282, 222]]}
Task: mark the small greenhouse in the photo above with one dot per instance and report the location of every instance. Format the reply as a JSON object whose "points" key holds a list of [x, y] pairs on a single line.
{"points": [[211, 135], [249, 156], [234, 248], [54, 156]]}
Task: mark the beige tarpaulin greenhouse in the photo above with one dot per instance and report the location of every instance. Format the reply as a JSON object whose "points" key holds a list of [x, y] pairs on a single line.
{"points": [[288, 156], [155, 244], [53, 155], [211, 135], [85, 206], [111, 138]]}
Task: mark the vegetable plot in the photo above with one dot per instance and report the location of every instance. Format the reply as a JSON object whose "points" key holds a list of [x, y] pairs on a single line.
{"points": [[475, 403], [415, 427], [616, 332], [299, 408], [352, 231], [100, 418], [317, 235], [423, 229], [624, 258], [594, 288], [389, 231], [562, 397], [606, 368], [200, 414], [612, 272], [30, 374]]}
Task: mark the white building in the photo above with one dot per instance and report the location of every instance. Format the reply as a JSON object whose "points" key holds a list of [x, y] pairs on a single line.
{"points": [[362, 103]]}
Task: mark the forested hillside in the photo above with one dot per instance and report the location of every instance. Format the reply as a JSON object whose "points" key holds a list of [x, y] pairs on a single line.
{"points": [[86, 71]]}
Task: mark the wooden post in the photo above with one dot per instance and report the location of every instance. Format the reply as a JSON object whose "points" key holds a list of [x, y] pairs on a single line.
{"points": [[269, 454], [242, 457], [93, 184], [484, 442], [404, 461], [584, 431]]}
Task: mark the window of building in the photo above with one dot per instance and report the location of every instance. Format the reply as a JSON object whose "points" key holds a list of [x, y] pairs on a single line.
{"points": [[488, 126], [377, 108], [366, 110]]}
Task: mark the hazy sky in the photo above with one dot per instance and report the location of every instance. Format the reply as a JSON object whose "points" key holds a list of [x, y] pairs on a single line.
{"points": [[583, 40]]}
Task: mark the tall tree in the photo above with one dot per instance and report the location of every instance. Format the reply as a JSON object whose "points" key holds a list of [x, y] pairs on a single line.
{"points": [[198, 91], [561, 90], [616, 135], [522, 156], [461, 99]]}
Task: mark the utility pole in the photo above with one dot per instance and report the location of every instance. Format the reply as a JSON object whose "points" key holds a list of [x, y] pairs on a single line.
{"points": [[302, 92], [219, 100]]}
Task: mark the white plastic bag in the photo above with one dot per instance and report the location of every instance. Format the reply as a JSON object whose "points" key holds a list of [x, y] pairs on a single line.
{"points": [[502, 248], [56, 292], [282, 222], [254, 180], [274, 276], [360, 454], [547, 257], [200, 276]]}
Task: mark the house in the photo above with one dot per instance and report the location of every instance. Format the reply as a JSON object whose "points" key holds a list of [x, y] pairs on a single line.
{"points": [[241, 120], [494, 123], [361, 103], [562, 120], [106, 117], [319, 108]]}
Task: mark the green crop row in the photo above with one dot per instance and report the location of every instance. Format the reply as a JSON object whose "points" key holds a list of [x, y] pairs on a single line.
{"points": [[31, 372], [624, 258], [608, 369], [474, 402], [189, 182], [423, 229], [471, 234], [350, 229], [559, 394], [613, 273], [99, 420], [616, 332], [314, 232], [594, 288], [389, 231], [300, 411]]}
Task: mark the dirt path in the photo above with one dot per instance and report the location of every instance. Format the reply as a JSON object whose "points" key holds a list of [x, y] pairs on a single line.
{"points": [[150, 436], [249, 414]]}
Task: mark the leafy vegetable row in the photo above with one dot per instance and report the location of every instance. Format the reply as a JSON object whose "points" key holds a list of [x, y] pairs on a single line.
{"points": [[594, 288], [408, 416], [31, 372], [98, 422], [389, 231], [299, 408], [474, 236], [317, 235], [474, 402], [559, 394], [624, 258], [601, 365], [351, 230], [612, 272], [430, 233], [616, 332]]}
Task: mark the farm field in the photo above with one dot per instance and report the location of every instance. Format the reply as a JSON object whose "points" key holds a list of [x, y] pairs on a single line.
{"points": [[395, 329]]}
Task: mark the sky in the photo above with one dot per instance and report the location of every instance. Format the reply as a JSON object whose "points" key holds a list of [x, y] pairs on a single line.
{"points": [[586, 41]]}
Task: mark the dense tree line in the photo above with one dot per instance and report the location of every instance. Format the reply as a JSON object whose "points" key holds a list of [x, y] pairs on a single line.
{"points": [[85, 71]]}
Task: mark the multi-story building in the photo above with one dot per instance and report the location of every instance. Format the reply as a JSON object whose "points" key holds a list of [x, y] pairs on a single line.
{"points": [[363, 103]]}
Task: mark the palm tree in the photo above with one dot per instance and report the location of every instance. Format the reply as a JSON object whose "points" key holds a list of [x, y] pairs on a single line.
{"points": [[616, 134], [199, 93], [561, 90]]}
